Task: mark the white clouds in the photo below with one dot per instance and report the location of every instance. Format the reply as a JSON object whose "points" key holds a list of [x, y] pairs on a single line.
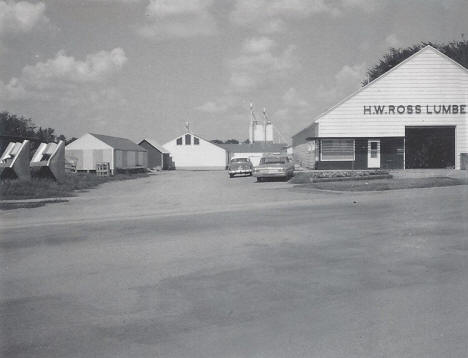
{"points": [[168, 8], [95, 68], [258, 44], [62, 73], [270, 16], [117, 1], [21, 17], [178, 18], [392, 41], [292, 99], [213, 107], [347, 80], [258, 66], [292, 106]]}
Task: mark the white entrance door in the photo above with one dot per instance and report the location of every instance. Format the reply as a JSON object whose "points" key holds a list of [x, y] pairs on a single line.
{"points": [[373, 154]]}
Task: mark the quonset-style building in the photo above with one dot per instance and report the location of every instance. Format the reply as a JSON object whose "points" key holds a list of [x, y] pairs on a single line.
{"points": [[120, 153], [190, 152], [413, 116]]}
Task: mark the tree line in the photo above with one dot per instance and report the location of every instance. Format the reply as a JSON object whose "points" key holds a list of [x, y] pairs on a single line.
{"points": [[456, 50], [15, 128]]}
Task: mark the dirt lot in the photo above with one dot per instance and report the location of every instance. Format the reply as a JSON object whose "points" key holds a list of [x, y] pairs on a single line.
{"points": [[194, 264]]}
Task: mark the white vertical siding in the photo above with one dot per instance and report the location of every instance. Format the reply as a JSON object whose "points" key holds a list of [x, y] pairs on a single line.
{"points": [[206, 155], [427, 78], [131, 159], [118, 159], [88, 150]]}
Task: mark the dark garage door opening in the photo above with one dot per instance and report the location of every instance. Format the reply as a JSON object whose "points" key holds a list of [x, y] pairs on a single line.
{"points": [[429, 147]]}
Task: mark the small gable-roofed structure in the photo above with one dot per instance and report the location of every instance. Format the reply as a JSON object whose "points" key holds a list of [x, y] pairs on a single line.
{"points": [[158, 156], [190, 151], [120, 153]]}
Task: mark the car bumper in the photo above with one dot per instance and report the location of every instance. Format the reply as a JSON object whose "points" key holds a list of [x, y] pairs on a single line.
{"points": [[240, 171], [270, 174]]}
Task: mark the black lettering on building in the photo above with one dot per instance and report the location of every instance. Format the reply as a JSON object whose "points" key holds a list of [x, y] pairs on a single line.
{"points": [[446, 109], [437, 109], [455, 109], [391, 109], [409, 109], [418, 109], [379, 109], [400, 109], [367, 109], [462, 108], [427, 109]]}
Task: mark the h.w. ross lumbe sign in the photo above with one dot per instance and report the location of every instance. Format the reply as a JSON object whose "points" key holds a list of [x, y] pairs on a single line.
{"points": [[416, 109]]}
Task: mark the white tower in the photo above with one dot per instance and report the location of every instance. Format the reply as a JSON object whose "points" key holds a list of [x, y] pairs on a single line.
{"points": [[268, 128], [256, 129], [252, 125]]}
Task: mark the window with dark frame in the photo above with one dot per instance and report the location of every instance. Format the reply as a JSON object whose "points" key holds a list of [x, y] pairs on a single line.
{"points": [[337, 149], [188, 139], [196, 141], [179, 141]]}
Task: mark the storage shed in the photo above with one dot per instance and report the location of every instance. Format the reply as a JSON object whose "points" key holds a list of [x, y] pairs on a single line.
{"points": [[190, 151], [413, 116], [120, 153], [158, 156]]}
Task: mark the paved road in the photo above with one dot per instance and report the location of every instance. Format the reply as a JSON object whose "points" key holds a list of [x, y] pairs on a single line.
{"points": [[174, 266]]}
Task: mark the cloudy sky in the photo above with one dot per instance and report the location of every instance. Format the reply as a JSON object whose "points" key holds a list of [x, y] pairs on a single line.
{"points": [[138, 68]]}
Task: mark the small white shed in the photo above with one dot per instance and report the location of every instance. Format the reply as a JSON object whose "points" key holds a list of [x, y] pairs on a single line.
{"points": [[120, 153]]}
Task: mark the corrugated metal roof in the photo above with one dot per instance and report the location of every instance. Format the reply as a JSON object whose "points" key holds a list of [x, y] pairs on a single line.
{"points": [[119, 143], [254, 147], [155, 144]]}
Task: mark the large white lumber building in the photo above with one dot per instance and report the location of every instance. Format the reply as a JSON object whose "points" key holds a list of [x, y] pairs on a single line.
{"points": [[413, 116]]}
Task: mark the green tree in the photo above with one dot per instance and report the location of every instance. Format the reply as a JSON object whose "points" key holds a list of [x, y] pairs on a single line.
{"points": [[456, 50]]}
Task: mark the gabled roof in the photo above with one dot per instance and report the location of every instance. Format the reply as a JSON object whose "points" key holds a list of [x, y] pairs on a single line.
{"points": [[426, 48], [155, 144], [195, 135], [119, 143], [254, 147]]}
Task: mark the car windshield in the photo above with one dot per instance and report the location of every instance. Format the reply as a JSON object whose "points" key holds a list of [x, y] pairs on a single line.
{"points": [[273, 160], [239, 160]]}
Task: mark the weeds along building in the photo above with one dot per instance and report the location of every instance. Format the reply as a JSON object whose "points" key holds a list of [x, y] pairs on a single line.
{"points": [[121, 153], [413, 116], [190, 151]]}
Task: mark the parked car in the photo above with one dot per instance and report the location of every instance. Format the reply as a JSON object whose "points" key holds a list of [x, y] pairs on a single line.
{"points": [[240, 166], [274, 166]]}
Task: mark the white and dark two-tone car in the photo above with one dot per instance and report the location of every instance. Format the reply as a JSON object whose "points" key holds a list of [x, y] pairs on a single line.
{"points": [[274, 166], [240, 166]]}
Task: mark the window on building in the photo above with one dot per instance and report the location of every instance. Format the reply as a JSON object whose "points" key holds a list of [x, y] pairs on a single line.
{"points": [[196, 141], [179, 141], [188, 139], [337, 149]]}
